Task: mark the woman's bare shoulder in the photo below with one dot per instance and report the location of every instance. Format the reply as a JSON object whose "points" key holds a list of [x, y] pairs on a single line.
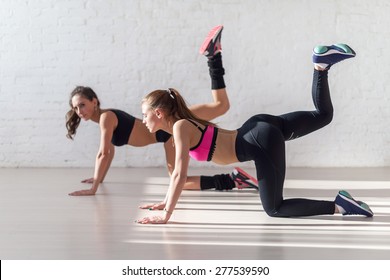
{"points": [[108, 118]]}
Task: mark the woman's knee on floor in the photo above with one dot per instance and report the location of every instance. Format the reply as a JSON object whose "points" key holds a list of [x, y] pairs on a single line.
{"points": [[271, 213]]}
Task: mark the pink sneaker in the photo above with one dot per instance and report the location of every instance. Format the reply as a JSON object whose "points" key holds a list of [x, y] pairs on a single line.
{"points": [[243, 179], [212, 43]]}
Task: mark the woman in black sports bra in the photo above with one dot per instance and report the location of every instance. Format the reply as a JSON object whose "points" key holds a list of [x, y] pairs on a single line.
{"points": [[119, 128], [260, 139]]}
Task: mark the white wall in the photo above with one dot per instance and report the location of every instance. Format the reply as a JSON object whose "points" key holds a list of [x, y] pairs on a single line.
{"points": [[123, 49]]}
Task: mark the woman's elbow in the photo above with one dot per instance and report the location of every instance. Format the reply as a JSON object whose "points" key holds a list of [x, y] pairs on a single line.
{"points": [[179, 177], [223, 107], [103, 155]]}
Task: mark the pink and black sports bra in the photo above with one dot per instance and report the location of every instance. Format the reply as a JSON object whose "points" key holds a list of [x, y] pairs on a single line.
{"points": [[204, 150]]}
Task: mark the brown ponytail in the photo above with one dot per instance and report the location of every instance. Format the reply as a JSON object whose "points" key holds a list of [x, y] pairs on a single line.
{"points": [[173, 104], [72, 119]]}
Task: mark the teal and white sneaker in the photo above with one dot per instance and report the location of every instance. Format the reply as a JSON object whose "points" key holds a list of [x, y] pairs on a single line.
{"points": [[326, 56], [349, 206]]}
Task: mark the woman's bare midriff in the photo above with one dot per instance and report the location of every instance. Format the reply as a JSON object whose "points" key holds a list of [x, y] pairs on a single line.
{"points": [[225, 150], [140, 135]]}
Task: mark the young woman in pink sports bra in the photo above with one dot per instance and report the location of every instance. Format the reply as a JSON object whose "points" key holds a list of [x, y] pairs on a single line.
{"points": [[260, 139]]}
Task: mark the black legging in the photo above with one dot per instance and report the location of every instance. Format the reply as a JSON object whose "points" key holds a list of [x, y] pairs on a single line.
{"points": [[261, 139]]}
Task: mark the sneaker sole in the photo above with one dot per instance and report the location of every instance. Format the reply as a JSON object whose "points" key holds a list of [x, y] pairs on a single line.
{"points": [[243, 185], [210, 37], [247, 175], [363, 206], [340, 49]]}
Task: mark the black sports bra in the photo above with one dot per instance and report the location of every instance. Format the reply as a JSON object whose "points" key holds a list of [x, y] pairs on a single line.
{"points": [[162, 136], [125, 126], [123, 130]]}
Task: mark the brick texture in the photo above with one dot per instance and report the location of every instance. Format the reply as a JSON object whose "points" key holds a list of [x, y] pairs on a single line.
{"points": [[124, 49]]}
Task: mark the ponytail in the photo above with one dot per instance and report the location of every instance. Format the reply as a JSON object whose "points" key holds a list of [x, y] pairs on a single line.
{"points": [[72, 123], [173, 104]]}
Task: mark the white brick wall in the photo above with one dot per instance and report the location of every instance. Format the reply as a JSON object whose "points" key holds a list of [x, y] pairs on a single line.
{"points": [[126, 48]]}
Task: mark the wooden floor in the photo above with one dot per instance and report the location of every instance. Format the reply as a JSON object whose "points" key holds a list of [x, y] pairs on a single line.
{"points": [[38, 220]]}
